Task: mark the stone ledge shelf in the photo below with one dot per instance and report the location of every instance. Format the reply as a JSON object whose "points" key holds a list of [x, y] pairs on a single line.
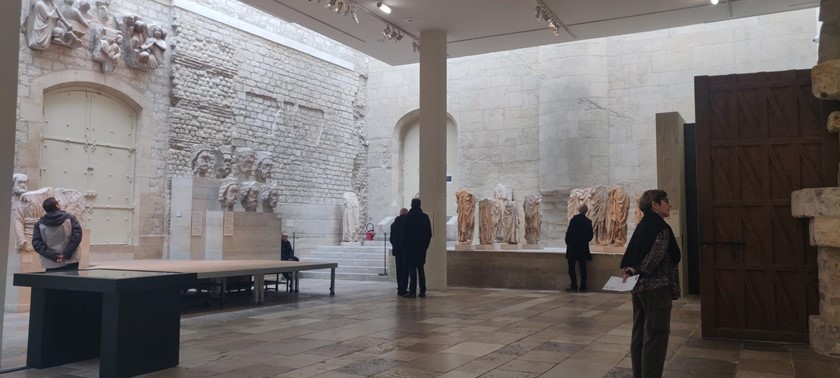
{"points": [[822, 205]]}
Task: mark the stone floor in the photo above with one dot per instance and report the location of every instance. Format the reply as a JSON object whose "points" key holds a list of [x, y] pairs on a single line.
{"points": [[365, 330]]}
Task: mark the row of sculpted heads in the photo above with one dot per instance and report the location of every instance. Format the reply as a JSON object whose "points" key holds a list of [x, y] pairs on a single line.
{"points": [[246, 165], [249, 193]]}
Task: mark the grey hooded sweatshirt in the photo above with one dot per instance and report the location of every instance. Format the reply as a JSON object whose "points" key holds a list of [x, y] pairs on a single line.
{"points": [[57, 233]]}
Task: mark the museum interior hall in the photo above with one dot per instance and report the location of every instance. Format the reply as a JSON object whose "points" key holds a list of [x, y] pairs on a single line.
{"points": [[230, 175]]}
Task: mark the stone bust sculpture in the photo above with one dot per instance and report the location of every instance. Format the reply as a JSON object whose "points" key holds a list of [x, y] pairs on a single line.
{"points": [[268, 198], [228, 193], [20, 184], [264, 167], [245, 158], [249, 195], [202, 162]]}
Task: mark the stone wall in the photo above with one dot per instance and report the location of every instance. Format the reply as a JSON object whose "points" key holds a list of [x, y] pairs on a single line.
{"points": [[576, 114], [229, 79]]}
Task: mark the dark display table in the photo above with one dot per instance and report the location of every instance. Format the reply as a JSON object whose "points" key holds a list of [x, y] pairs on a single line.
{"points": [[129, 319]]}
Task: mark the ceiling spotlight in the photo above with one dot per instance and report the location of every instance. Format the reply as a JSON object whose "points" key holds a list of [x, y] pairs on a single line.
{"points": [[384, 8], [715, 2]]}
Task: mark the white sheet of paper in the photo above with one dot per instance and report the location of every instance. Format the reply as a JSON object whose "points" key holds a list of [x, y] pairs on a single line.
{"points": [[615, 284]]}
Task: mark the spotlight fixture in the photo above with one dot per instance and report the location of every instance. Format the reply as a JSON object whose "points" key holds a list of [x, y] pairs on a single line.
{"points": [[384, 8], [391, 32], [544, 13], [714, 2]]}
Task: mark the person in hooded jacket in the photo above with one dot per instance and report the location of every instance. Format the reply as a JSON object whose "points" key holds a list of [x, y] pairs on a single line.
{"points": [[415, 237], [653, 255], [56, 237]]}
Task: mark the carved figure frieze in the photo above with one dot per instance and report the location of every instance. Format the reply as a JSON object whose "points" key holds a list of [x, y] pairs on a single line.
{"points": [[533, 218], [502, 194], [107, 48], [228, 193], [489, 216], [465, 201], [249, 195], [350, 219], [103, 10], [46, 24], [145, 45]]}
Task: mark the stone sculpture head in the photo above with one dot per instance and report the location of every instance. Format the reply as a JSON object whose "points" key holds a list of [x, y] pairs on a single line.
{"points": [[249, 195], [20, 183], [245, 158], [268, 198], [202, 162], [228, 193], [155, 31], [264, 168]]}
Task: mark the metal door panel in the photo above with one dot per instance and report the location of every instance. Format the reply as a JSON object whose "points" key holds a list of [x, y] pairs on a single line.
{"points": [[109, 226], [63, 165], [109, 177], [66, 116], [111, 122]]}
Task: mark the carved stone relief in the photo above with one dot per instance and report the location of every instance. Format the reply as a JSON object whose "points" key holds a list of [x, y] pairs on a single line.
{"points": [[533, 218], [608, 210], [264, 167], [203, 161], [107, 48], [502, 194], [228, 193], [350, 223], [144, 45], [619, 207], [466, 215], [47, 24]]}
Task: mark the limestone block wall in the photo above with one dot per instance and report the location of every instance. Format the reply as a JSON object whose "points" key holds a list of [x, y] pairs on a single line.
{"points": [[231, 88], [577, 114]]}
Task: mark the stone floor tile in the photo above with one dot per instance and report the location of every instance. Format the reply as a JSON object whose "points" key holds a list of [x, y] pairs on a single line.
{"points": [[690, 365], [578, 369], [508, 374], [755, 374], [439, 362], [401, 372], [310, 371], [783, 366], [766, 347], [369, 367], [527, 366], [764, 355], [402, 355], [254, 371], [804, 368], [472, 348], [545, 356], [620, 372], [731, 355], [478, 366]]}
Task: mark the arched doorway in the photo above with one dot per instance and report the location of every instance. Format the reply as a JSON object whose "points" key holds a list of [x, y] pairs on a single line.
{"points": [[88, 144], [410, 163]]}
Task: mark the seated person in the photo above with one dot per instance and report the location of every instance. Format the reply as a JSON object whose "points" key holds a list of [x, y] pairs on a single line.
{"points": [[287, 253]]}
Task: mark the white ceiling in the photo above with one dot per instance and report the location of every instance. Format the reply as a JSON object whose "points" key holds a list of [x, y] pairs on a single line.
{"points": [[483, 26]]}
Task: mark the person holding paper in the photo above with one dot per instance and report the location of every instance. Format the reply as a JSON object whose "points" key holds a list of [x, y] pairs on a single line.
{"points": [[578, 236], [653, 255]]}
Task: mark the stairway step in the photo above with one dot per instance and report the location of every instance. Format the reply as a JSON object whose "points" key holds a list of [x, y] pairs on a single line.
{"points": [[344, 276], [344, 256]]}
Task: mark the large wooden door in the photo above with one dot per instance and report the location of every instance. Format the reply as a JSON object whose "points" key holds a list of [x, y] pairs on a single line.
{"points": [[759, 137]]}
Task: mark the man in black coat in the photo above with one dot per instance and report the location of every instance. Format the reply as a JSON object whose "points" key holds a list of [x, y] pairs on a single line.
{"points": [[287, 253], [415, 237], [578, 236], [399, 253]]}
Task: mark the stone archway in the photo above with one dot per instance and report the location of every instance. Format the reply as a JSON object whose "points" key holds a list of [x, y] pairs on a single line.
{"points": [[406, 177]]}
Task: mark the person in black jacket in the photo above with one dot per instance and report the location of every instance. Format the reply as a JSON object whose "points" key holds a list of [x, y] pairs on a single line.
{"points": [[578, 236], [287, 253], [415, 237], [398, 253], [56, 237]]}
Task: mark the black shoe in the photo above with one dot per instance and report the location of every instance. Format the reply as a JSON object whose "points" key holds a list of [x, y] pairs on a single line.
{"points": [[422, 295], [410, 295], [401, 293], [571, 290], [582, 290]]}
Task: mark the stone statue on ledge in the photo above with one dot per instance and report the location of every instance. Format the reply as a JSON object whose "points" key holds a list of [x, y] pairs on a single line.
{"points": [[510, 223], [489, 214], [228, 193], [350, 221], [466, 215], [533, 218]]}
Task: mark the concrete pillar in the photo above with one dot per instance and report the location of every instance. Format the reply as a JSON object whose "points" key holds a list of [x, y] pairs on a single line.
{"points": [[670, 177], [433, 150], [10, 22], [822, 205]]}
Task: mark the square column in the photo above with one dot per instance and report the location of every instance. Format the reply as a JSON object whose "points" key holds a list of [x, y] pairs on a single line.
{"points": [[433, 150]]}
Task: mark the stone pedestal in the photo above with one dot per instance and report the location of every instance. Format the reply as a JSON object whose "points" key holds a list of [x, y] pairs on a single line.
{"points": [[485, 247], [822, 205], [531, 246], [351, 244], [464, 247], [509, 247]]}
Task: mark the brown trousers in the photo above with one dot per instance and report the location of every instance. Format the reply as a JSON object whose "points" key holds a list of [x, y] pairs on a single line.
{"points": [[651, 328]]}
